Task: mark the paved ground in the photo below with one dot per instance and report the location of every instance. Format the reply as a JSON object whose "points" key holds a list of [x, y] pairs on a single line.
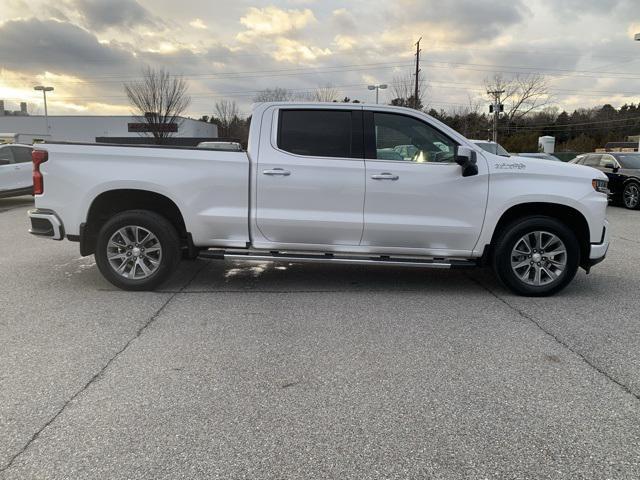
{"points": [[238, 371]]}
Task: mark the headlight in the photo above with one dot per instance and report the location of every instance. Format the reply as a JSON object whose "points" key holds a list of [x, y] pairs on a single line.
{"points": [[600, 186]]}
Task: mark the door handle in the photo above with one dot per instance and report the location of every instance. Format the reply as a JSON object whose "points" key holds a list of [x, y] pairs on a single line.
{"points": [[385, 176], [277, 171]]}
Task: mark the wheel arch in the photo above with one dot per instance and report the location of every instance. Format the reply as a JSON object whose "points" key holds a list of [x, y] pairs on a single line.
{"points": [[111, 202], [566, 214]]}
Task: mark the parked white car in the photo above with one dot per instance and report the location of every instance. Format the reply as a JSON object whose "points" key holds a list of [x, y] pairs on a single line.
{"points": [[15, 170], [312, 188]]}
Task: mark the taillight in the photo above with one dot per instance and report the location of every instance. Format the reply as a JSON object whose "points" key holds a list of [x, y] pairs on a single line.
{"points": [[38, 157]]}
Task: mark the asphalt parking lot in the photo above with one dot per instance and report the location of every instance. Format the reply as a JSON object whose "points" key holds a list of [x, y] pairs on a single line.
{"points": [[309, 371]]}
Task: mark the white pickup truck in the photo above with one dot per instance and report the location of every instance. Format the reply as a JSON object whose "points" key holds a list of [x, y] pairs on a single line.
{"points": [[338, 183]]}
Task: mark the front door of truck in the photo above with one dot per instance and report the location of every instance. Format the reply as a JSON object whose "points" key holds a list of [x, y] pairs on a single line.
{"points": [[416, 196], [310, 177]]}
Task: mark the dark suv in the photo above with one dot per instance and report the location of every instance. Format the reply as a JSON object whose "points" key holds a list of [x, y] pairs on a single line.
{"points": [[623, 170]]}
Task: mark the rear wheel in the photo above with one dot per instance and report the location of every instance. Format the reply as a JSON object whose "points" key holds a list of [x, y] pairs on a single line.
{"points": [[536, 256], [631, 195], [137, 250]]}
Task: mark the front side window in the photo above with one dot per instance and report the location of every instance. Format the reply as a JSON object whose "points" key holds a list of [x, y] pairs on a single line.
{"points": [[403, 138], [592, 160], [607, 160], [316, 133], [6, 157]]}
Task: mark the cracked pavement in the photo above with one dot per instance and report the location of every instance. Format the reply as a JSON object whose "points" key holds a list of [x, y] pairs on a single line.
{"points": [[314, 371]]}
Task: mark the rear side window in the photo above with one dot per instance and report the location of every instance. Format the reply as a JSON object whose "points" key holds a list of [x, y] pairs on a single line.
{"points": [[22, 154], [316, 133]]}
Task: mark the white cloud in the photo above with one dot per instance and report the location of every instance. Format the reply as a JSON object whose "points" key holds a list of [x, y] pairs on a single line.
{"points": [[273, 21], [198, 23], [293, 51]]}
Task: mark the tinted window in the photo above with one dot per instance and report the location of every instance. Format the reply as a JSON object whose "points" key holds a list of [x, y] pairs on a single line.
{"points": [[629, 161], [606, 160], [22, 154], [592, 160], [403, 138], [316, 133], [6, 156]]}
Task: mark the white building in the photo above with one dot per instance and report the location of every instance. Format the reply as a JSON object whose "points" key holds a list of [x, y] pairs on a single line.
{"points": [[88, 128]]}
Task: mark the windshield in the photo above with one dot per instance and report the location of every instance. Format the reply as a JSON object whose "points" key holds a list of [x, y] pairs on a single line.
{"points": [[629, 161], [545, 156], [493, 148]]}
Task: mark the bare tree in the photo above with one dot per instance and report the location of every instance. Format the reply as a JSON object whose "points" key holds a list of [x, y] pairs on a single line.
{"points": [[523, 93], [158, 100], [227, 114], [328, 93], [403, 90], [277, 94]]}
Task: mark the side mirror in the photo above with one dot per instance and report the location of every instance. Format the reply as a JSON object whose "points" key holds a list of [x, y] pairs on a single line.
{"points": [[611, 166], [4, 162], [467, 159]]}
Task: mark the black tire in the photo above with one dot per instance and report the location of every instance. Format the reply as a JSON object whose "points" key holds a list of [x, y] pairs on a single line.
{"points": [[512, 234], [631, 195], [166, 236]]}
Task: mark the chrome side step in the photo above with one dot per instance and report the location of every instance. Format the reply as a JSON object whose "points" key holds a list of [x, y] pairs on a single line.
{"points": [[441, 263]]}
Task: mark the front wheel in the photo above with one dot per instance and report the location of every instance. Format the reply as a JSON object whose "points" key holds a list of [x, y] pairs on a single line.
{"points": [[536, 256], [137, 250], [631, 195]]}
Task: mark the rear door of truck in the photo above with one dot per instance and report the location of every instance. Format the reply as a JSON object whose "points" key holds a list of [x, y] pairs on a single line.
{"points": [[311, 176]]}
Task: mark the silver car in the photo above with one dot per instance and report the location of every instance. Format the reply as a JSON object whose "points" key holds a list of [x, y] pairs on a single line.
{"points": [[15, 170]]}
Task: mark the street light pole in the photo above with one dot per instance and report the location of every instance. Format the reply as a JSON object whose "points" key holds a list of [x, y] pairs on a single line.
{"points": [[44, 90], [377, 88]]}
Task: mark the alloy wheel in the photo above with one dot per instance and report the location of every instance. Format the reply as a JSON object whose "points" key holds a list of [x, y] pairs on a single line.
{"points": [[134, 252], [631, 195], [539, 258]]}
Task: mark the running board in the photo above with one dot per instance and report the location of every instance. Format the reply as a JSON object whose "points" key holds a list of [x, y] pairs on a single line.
{"points": [[341, 259]]}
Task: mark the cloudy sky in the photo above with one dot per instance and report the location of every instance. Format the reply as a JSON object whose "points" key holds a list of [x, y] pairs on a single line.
{"points": [[86, 49]]}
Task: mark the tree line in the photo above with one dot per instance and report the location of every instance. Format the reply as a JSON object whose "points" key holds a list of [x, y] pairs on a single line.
{"points": [[527, 100]]}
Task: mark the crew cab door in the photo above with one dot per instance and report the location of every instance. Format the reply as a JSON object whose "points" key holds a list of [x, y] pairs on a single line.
{"points": [[416, 196], [310, 177]]}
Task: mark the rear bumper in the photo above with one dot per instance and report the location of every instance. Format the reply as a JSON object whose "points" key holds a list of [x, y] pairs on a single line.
{"points": [[599, 250], [45, 223]]}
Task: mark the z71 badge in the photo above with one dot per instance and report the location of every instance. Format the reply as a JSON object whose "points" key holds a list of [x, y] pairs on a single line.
{"points": [[510, 166]]}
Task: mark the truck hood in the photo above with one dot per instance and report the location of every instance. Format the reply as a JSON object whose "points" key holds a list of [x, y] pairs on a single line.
{"points": [[538, 166]]}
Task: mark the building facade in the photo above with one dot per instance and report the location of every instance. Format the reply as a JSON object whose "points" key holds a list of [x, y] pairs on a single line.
{"points": [[87, 128]]}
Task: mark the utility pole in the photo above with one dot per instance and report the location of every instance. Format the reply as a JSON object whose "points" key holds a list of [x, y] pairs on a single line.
{"points": [[417, 92], [496, 108]]}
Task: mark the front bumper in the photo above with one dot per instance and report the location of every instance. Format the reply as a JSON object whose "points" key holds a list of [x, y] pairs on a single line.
{"points": [[45, 223], [599, 250]]}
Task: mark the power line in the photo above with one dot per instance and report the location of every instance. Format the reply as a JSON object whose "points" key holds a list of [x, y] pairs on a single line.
{"points": [[260, 73]]}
